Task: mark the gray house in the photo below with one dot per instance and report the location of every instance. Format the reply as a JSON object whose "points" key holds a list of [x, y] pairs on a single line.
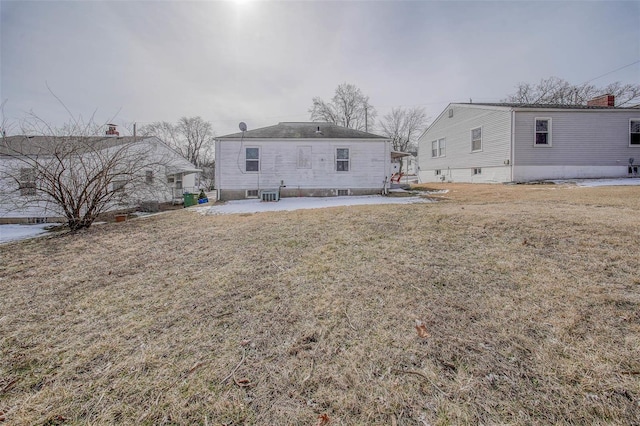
{"points": [[517, 143], [302, 159]]}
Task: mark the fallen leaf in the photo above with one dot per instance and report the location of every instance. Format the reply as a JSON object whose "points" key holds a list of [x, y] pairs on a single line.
{"points": [[323, 420], [421, 329]]}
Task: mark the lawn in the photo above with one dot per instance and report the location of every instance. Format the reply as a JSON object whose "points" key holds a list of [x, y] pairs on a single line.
{"points": [[528, 295]]}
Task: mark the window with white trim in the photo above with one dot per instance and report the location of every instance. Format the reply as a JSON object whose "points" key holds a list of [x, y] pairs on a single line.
{"points": [[476, 139], [252, 159], [542, 136], [476, 171], [438, 148], [634, 132], [27, 181], [251, 193], [342, 159], [438, 172]]}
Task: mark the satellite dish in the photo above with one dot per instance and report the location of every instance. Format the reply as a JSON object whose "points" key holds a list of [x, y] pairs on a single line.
{"points": [[631, 160], [243, 126]]}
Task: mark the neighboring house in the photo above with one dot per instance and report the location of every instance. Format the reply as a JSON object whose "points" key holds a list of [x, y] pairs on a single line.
{"points": [[519, 143], [162, 178], [302, 159]]}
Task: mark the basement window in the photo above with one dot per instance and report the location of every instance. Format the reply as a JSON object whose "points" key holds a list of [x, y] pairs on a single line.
{"points": [[251, 193], [343, 192]]}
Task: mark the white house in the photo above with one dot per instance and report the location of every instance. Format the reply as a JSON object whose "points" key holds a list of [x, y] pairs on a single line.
{"points": [[519, 143], [302, 159], [162, 174]]}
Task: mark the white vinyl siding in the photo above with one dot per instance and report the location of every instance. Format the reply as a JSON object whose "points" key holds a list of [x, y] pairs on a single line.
{"points": [[368, 164], [460, 158], [634, 132], [542, 130], [476, 139], [304, 157]]}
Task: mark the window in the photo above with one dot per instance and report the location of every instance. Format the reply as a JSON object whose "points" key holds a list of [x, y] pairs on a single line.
{"points": [[252, 159], [476, 171], [450, 112], [148, 176], [343, 192], [252, 193], [118, 185], [304, 157], [27, 181], [634, 132], [438, 172], [543, 132], [342, 159], [476, 139], [170, 179], [438, 148]]}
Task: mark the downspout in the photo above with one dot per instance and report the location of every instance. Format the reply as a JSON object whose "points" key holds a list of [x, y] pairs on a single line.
{"points": [[217, 170], [513, 141]]}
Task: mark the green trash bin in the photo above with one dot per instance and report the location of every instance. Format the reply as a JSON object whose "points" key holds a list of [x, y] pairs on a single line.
{"points": [[190, 199]]}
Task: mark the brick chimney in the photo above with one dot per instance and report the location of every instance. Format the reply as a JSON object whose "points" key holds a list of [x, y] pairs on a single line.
{"points": [[602, 101], [111, 130]]}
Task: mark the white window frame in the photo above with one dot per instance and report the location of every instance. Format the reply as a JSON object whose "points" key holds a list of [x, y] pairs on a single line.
{"points": [[476, 171], [438, 148], [438, 172], [302, 152], [472, 139], [342, 160], [635, 145], [549, 132], [257, 160]]}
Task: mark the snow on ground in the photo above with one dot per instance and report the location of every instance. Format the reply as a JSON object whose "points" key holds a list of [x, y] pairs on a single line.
{"points": [[605, 182], [21, 232], [299, 203]]}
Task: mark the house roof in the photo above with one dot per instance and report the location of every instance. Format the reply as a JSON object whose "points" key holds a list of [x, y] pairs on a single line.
{"points": [[303, 130], [44, 145], [538, 106]]}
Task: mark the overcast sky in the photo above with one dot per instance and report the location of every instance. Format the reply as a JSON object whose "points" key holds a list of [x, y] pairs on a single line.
{"points": [[263, 62]]}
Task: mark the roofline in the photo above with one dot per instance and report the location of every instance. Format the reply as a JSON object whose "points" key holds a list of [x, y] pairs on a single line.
{"points": [[245, 140]]}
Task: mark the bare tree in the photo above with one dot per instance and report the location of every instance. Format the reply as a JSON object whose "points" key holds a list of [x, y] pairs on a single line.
{"points": [[554, 90], [348, 108], [404, 127], [74, 173], [192, 137]]}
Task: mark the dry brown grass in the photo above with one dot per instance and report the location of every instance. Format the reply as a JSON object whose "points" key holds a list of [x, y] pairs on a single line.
{"points": [[530, 294]]}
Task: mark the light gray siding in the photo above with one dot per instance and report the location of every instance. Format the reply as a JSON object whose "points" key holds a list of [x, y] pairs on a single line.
{"points": [[459, 159], [578, 138], [369, 165]]}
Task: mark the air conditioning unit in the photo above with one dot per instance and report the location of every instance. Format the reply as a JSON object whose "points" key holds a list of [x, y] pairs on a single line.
{"points": [[270, 195]]}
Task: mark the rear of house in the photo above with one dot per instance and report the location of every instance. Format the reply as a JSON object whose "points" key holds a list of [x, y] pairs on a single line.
{"points": [[519, 143], [301, 159]]}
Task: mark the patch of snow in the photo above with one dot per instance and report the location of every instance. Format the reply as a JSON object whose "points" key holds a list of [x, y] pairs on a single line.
{"points": [[601, 182], [301, 203], [21, 232]]}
